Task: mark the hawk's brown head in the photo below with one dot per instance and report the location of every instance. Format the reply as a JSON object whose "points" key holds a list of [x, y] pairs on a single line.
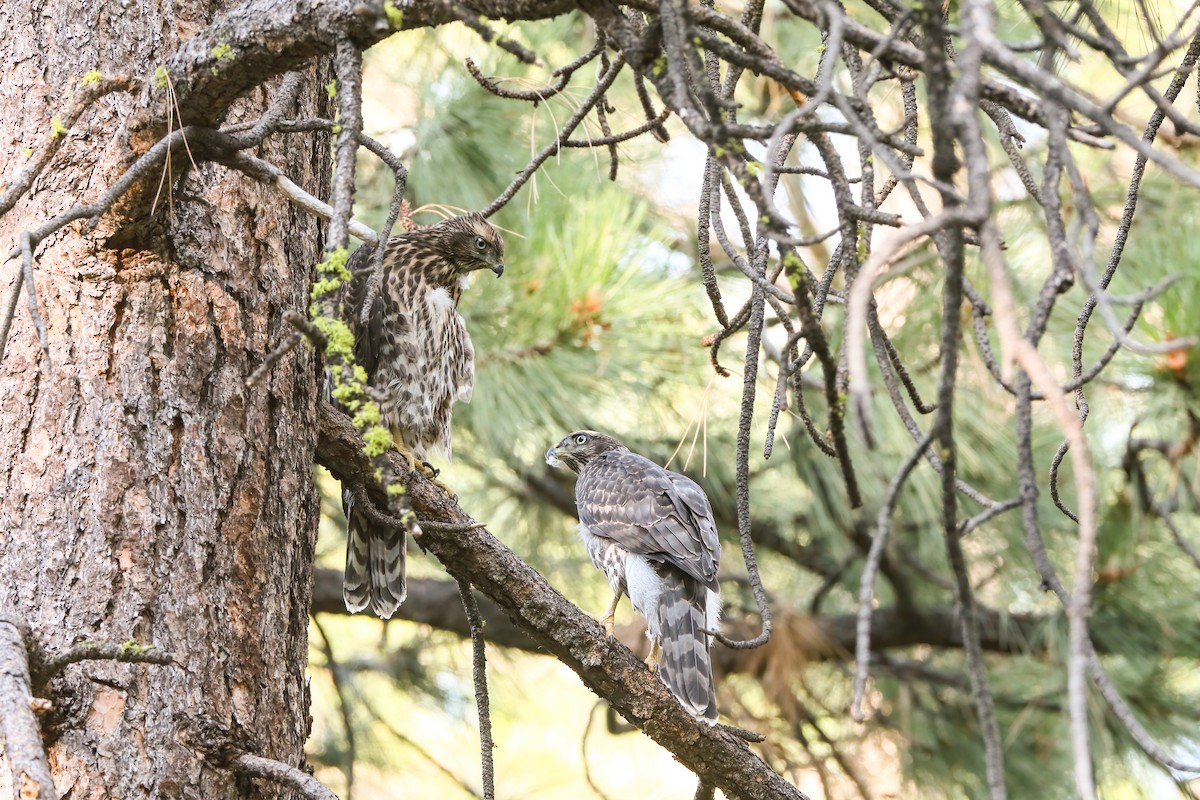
{"points": [[470, 243], [578, 448]]}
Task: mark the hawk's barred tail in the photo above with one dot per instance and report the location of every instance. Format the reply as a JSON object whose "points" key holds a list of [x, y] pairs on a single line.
{"points": [[356, 586], [375, 565], [389, 549], [685, 666]]}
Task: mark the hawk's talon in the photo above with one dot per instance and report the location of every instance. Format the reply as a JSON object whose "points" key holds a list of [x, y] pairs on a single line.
{"points": [[432, 474], [652, 660], [428, 470]]}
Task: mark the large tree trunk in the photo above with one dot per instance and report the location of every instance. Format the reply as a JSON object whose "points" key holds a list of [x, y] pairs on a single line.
{"points": [[145, 493]]}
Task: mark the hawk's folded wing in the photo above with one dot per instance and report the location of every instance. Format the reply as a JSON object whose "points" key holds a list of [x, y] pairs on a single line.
{"points": [[649, 511]]}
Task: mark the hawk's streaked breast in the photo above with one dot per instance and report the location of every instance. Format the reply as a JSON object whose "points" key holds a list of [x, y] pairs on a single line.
{"points": [[417, 353]]}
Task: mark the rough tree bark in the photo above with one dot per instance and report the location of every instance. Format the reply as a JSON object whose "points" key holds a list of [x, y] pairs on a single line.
{"points": [[145, 494]]}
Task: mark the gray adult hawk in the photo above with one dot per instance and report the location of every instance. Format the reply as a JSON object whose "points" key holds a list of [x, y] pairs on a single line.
{"points": [[652, 532], [414, 346]]}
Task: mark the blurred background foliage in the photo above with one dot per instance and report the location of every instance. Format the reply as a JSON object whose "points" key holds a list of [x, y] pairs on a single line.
{"points": [[600, 322]]}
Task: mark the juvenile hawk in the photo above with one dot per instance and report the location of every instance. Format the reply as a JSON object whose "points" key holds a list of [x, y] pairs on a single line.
{"points": [[652, 532], [414, 346]]}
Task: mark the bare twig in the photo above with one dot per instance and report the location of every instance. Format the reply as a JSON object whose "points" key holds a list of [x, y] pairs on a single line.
{"points": [[363, 503], [479, 674], [349, 88], [587, 769], [811, 329], [60, 127], [268, 173], [749, 382], [227, 749], [125, 653], [453, 527], [473, 21], [305, 329], [866, 594], [281, 773], [955, 101], [564, 133], [617, 138], [31, 294]]}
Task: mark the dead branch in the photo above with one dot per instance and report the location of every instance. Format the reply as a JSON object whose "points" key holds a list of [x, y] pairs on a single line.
{"points": [[129, 652], [831, 637], [862, 648], [278, 772], [564, 133], [19, 732], [227, 749]]}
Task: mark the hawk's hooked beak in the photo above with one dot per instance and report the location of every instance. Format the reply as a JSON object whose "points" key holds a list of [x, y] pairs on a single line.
{"points": [[497, 268], [552, 457]]}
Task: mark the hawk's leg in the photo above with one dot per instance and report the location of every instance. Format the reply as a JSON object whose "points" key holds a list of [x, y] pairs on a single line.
{"points": [[655, 654], [609, 617], [415, 463], [403, 449]]}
